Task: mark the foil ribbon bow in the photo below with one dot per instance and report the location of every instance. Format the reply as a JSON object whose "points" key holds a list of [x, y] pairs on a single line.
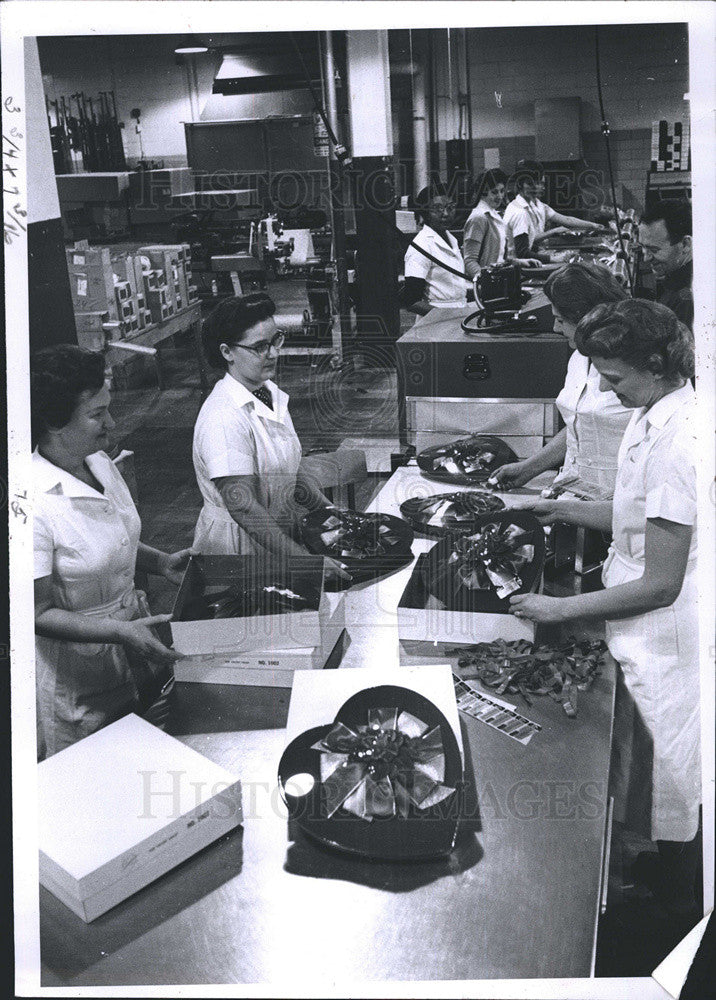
{"points": [[493, 558], [388, 767], [457, 507], [465, 459]]}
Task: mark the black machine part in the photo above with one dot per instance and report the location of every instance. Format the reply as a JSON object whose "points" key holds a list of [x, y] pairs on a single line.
{"points": [[499, 297]]}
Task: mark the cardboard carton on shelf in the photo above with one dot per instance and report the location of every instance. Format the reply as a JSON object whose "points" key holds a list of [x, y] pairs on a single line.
{"points": [[318, 625], [124, 806]]}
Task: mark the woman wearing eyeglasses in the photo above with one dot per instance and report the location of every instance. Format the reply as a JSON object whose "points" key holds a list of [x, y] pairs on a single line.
{"points": [[246, 452], [428, 285]]}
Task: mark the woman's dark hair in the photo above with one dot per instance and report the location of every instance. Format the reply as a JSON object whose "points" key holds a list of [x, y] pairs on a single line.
{"points": [[527, 170], [229, 321], [421, 202], [58, 377], [487, 182], [645, 335], [575, 289]]}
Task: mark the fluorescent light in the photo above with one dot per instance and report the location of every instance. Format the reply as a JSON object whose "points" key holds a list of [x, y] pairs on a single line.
{"points": [[190, 50]]}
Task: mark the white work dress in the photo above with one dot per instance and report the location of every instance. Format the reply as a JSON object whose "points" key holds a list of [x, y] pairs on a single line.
{"points": [[86, 541], [527, 218], [595, 423], [656, 778], [238, 435], [444, 290]]}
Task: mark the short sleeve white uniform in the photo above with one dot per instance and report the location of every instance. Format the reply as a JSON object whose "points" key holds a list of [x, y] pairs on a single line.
{"points": [[444, 290], [237, 435], [528, 218], [658, 651], [595, 423], [86, 542]]}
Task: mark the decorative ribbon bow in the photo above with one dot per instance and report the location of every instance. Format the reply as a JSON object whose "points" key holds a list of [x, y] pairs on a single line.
{"points": [[493, 558], [466, 459], [458, 507], [385, 768]]}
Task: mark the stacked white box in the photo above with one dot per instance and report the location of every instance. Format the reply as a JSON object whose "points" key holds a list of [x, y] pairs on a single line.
{"points": [[123, 807]]}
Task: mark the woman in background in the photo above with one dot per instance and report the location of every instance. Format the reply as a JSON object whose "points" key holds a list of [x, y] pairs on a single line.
{"points": [[485, 236], [427, 284], [98, 656], [595, 421]]}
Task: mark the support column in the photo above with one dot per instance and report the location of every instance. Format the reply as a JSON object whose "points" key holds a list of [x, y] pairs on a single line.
{"points": [[420, 129], [338, 192], [378, 251], [51, 316]]}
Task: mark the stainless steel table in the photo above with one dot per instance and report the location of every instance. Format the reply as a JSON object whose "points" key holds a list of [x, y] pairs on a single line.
{"points": [[518, 898]]}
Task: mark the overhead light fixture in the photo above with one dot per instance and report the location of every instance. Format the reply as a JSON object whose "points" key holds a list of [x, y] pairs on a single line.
{"points": [[189, 47], [260, 72]]}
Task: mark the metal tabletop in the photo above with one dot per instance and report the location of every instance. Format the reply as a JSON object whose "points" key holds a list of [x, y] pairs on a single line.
{"points": [[517, 898]]}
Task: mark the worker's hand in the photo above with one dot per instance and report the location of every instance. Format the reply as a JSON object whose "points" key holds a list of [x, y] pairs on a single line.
{"points": [[538, 608], [173, 564], [138, 636], [546, 511], [527, 261], [512, 475]]}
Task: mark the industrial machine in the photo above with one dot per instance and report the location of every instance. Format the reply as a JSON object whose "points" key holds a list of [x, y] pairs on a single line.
{"points": [[499, 298]]}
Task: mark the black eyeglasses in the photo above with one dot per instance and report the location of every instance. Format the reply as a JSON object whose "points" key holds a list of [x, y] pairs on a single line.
{"points": [[262, 347]]}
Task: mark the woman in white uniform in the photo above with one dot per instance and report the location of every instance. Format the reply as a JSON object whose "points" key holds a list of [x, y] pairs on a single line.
{"points": [[646, 357], [527, 217], [97, 654], [594, 421], [485, 240], [428, 285], [246, 452]]}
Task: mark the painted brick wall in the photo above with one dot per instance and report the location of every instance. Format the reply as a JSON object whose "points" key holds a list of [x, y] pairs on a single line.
{"points": [[644, 72]]}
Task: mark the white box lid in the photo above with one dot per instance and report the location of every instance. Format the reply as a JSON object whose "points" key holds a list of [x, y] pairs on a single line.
{"points": [[102, 796], [316, 696]]}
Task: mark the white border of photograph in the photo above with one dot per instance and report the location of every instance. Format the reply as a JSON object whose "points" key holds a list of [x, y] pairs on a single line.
{"points": [[19, 19]]}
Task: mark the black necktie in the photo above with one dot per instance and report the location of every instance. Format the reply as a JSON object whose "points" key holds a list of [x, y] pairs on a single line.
{"points": [[264, 395]]}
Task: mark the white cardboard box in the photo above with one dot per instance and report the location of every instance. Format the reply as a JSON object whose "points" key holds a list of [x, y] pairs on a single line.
{"points": [[262, 668], [316, 697], [124, 806], [265, 633]]}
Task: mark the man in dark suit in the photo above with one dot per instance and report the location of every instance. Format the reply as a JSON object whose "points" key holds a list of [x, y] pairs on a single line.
{"points": [[665, 237]]}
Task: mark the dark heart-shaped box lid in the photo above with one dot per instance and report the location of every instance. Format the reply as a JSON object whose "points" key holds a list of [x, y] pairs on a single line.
{"points": [[422, 833], [501, 451], [441, 580], [362, 568]]}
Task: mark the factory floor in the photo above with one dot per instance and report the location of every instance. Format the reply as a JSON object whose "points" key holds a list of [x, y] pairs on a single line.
{"points": [[354, 404]]}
